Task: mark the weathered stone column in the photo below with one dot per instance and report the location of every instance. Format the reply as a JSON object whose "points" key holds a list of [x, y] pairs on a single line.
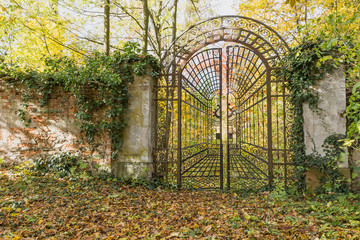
{"points": [[355, 155], [135, 158], [330, 119]]}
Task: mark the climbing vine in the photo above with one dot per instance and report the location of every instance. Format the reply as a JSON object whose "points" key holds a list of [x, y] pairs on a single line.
{"points": [[303, 67], [101, 82]]}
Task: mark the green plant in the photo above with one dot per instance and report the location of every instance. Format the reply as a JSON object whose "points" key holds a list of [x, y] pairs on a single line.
{"points": [[304, 66], [100, 84], [301, 68], [63, 164], [352, 114], [1, 162], [329, 42]]}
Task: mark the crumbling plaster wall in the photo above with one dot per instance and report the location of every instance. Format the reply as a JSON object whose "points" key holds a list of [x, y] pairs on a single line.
{"points": [[54, 129]]}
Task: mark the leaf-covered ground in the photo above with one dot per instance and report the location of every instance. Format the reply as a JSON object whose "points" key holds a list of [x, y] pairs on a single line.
{"points": [[36, 207]]}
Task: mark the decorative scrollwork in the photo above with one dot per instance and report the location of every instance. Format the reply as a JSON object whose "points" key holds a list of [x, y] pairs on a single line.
{"points": [[230, 28], [191, 92]]}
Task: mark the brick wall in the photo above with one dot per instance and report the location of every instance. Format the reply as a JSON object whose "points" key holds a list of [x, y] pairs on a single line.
{"points": [[53, 129]]}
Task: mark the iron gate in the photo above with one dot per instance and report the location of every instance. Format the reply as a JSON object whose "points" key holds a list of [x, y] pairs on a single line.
{"points": [[248, 149], [222, 113], [200, 141]]}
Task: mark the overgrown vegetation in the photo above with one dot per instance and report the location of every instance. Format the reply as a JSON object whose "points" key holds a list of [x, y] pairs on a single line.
{"points": [[304, 66], [63, 164], [100, 83], [70, 166]]}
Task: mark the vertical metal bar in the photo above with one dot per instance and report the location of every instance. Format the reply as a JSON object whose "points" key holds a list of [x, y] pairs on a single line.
{"points": [[198, 115], [269, 119], [179, 131], [227, 119], [208, 132], [258, 121], [277, 144], [284, 136], [184, 112], [155, 154], [167, 124], [238, 123], [263, 120], [221, 115]]}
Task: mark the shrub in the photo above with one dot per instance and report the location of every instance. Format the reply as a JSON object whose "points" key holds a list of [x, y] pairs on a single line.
{"points": [[63, 164]]}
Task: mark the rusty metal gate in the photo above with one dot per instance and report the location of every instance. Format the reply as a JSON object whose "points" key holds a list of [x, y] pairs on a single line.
{"points": [[222, 114]]}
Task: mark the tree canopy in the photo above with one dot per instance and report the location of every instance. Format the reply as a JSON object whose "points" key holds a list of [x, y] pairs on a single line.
{"points": [[32, 30]]}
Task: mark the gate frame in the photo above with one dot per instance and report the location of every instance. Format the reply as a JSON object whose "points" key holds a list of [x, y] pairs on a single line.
{"points": [[213, 30]]}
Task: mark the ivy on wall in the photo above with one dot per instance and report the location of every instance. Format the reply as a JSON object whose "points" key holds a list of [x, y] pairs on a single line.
{"points": [[101, 82], [304, 65]]}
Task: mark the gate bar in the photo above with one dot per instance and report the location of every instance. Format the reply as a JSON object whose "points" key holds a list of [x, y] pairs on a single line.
{"points": [[221, 126], [227, 122], [269, 130], [179, 131]]}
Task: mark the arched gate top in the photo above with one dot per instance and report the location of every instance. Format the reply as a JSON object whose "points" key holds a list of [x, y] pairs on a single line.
{"points": [[249, 32], [220, 92]]}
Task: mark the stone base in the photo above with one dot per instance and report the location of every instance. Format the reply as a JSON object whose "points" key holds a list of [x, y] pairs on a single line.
{"points": [[313, 176], [134, 170], [355, 161], [345, 172]]}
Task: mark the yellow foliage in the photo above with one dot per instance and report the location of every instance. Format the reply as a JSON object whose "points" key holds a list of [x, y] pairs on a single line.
{"points": [[289, 17], [31, 30], [282, 17]]}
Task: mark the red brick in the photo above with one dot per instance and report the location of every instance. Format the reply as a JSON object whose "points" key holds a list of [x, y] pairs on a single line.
{"points": [[44, 139], [87, 153], [11, 138], [24, 146], [71, 147], [32, 153], [37, 119], [16, 130], [27, 129]]}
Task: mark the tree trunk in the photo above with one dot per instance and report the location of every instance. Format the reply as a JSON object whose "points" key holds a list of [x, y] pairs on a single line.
{"points": [[146, 25], [107, 27], [174, 27], [170, 94], [55, 6]]}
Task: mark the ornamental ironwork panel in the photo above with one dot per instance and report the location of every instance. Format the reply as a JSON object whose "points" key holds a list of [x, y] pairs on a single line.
{"points": [[223, 115], [200, 91], [248, 160]]}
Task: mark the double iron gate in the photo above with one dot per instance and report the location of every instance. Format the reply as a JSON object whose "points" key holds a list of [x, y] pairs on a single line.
{"points": [[223, 119]]}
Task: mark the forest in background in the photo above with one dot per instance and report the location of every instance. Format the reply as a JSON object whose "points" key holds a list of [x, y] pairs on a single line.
{"points": [[31, 30]]}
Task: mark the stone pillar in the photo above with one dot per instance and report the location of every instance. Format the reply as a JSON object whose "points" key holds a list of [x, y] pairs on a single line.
{"points": [[330, 119], [355, 157], [136, 158]]}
